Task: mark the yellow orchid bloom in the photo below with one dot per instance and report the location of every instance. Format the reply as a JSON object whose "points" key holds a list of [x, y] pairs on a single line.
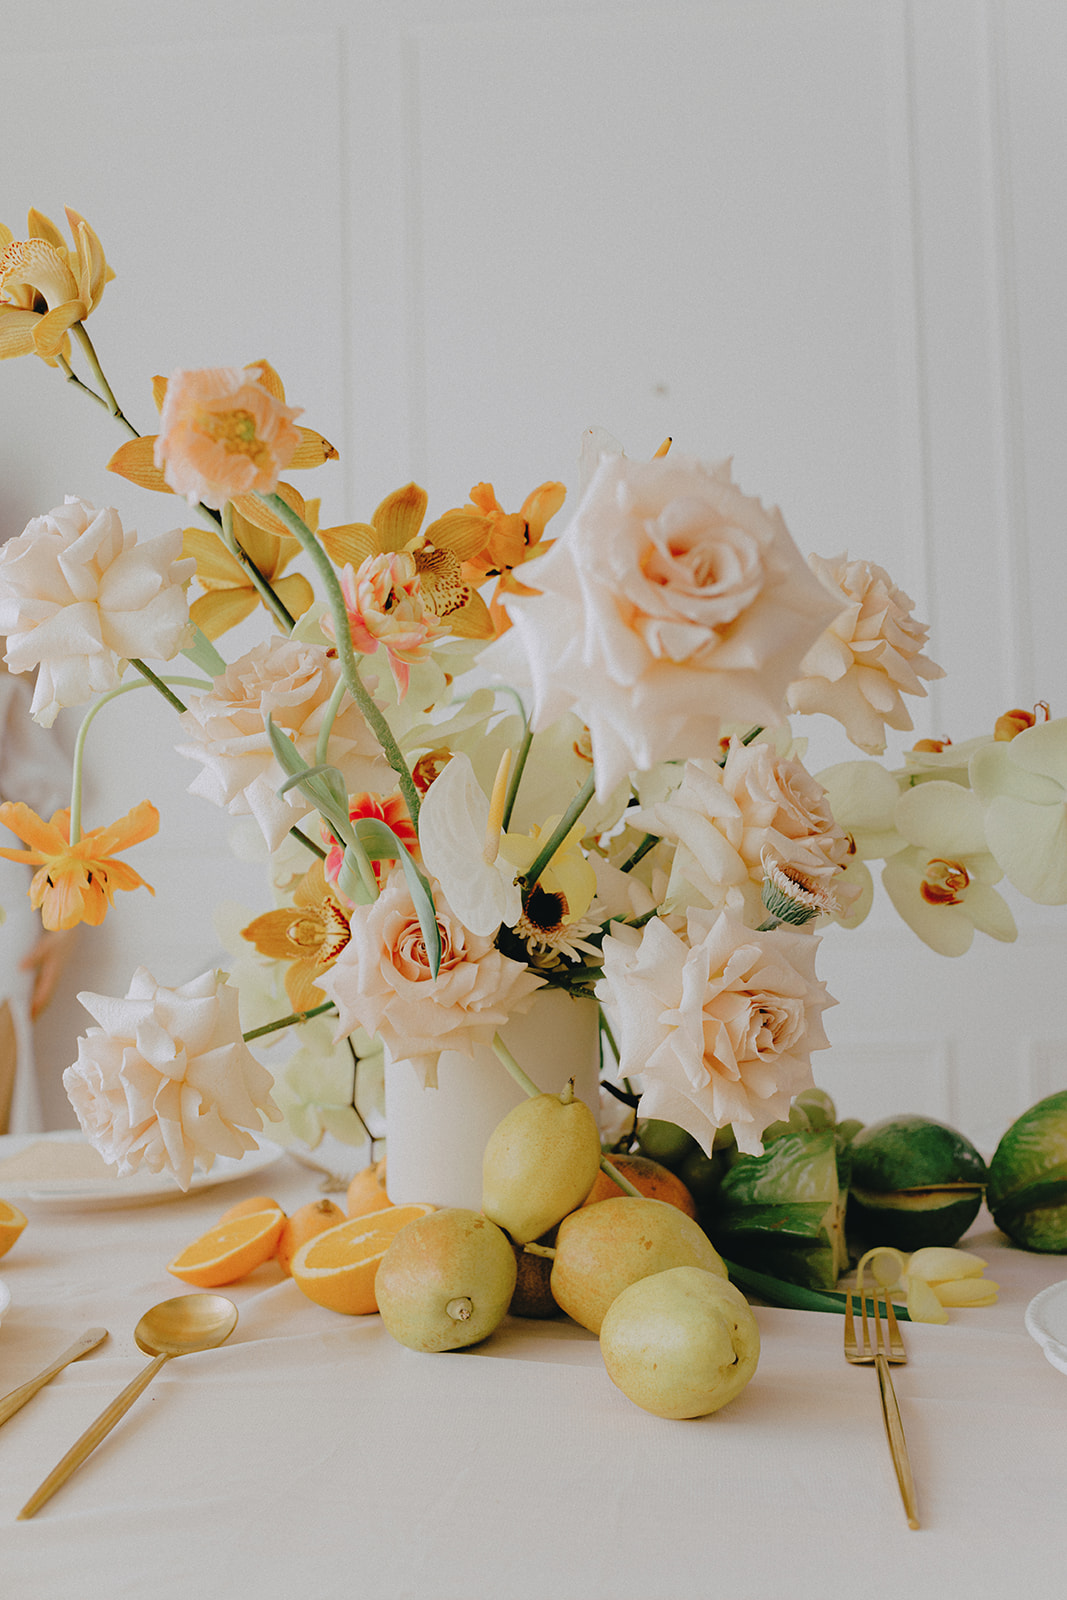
{"points": [[310, 934], [229, 593], [77, 882], [510, 539], [46, 287], [440, 554]]}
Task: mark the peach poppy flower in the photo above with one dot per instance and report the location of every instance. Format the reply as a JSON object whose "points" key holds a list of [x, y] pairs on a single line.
{"points": [[77, 882], [223, 434]]}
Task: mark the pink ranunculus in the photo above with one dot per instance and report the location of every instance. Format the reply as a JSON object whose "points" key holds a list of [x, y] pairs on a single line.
{"points": [[386, 606], [166, 1079], [868, 657], [80, 596], [292, 682], [382, 982], [670, 605], [718, 1023], [223, 434]]}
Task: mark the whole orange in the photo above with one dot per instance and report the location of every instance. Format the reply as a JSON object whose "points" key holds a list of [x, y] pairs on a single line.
{"points": [[653, 1180]]}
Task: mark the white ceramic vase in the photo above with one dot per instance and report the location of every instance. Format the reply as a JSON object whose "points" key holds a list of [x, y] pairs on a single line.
{"points": [[435, 1138]]}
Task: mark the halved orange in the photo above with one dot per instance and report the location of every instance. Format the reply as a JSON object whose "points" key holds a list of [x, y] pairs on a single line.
{"points": [[12, 1223], [230, 1250], [337, 1269]]}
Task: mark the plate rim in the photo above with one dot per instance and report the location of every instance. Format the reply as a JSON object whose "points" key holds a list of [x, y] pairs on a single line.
{"points": [[136, 1189], [1054, 1347]]}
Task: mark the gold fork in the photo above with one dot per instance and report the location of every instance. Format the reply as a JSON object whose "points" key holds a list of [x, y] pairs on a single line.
{"points": [[883, 1346]]}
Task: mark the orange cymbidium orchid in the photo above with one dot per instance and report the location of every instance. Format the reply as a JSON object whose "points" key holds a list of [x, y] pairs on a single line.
{"points": [[440, 555], [46, 287], [77, 882], [310, 934], [509, 539], [230, 595]]}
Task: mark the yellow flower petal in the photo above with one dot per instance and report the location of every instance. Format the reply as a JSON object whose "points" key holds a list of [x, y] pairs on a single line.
{"points": [[215, 566], [253, 510], [135, 460], [295, 593], [216, 612], [399, 517], [923, 1304], [350, 544], [16, 332], [312, 450], [460, 531]]}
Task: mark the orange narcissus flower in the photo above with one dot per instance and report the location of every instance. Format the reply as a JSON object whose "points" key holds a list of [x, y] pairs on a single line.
{"points": [[310, 934], [510, 539], [77, 882], [46, 287]]}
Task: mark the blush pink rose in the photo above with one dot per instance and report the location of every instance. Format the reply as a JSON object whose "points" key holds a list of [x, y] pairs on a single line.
{"points": [[166, 1080], [717, 1022], [226, 732], [868, 658], [670, 605], [382, 982]]}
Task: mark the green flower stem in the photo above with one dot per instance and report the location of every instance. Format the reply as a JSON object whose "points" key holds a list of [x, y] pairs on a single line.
{"points": [[287, 1022], [560, 832], [606, 1033], [259, 582], [527, 1085], [322, 743], [343, 640], [79, 744], [81, 334], [158, 683], [516, 778], [309, 844], [648, 843], [777, 1292], [72, 377]]}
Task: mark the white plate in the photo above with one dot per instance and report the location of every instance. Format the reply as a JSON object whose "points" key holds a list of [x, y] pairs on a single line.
{"points": [[108, 1193], [1046, 1321]]}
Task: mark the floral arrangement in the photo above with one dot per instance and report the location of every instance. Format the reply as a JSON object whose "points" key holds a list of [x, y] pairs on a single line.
{"points": [[487, 754]]}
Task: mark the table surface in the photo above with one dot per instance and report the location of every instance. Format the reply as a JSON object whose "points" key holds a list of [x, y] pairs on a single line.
{"points": [[313, 1457]]}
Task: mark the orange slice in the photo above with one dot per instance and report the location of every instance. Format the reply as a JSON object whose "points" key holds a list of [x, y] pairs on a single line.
{"points": [[337, 1269], [12, 1223], [230, 1250], [306, 1223], [245, 1208]]}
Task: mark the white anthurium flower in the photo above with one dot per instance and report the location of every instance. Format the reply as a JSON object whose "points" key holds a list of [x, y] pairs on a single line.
{"points": [[453, 823], [1021, 785], [942, 883]]}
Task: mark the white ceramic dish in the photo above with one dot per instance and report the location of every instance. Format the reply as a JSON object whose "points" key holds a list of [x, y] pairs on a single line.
{"points": [[1046, 1321], [108, 1193], [5, 1298]]}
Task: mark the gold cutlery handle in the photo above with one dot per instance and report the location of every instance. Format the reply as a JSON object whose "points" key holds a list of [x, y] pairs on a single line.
{"points": [[894, 1432], [18, 1397], [91, 1438]]}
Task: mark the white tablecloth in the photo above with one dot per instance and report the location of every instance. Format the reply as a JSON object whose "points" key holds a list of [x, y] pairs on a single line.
{"points": [[311, 1457]]}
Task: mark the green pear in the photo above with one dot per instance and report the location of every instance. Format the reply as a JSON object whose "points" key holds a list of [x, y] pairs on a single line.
{"points": [[681, 1343], [604, 1248], [540, 1162], [446, 1280]]}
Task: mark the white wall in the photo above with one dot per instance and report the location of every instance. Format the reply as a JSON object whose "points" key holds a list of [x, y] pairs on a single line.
{"points": [[822, 236]]}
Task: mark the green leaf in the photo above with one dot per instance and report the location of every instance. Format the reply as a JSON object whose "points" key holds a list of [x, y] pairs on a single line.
{"points": [[202, 654], [356, 877]]}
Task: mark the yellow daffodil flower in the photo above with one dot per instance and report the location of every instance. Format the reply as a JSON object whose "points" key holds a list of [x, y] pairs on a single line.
{"points": [[77, 882], [310, 934], [46, 287]]}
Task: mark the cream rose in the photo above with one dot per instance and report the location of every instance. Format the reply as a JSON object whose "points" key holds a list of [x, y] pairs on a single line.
{"points": [[717, 1023], [671, 604], [291, 682], [382, 982], [868, 657], [80, 596], [166, 1080]]}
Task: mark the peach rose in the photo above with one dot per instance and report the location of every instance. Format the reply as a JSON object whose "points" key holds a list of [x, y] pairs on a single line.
{"points": [[291, 682], [223, 434], [718, 1023], [166, 1080], [80, 595], [671, 604], [867, 658], [382, 982]]}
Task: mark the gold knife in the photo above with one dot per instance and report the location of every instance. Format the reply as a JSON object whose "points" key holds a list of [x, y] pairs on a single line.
{"points": [[17, 1398]]}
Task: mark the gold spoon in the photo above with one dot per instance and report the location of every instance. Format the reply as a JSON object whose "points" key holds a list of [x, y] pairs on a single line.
{"points": [[173, 1328], [18, 1397]]}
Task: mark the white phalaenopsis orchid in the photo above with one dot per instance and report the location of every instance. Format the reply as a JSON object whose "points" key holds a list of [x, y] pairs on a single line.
{"points": [[1021, 785]]}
